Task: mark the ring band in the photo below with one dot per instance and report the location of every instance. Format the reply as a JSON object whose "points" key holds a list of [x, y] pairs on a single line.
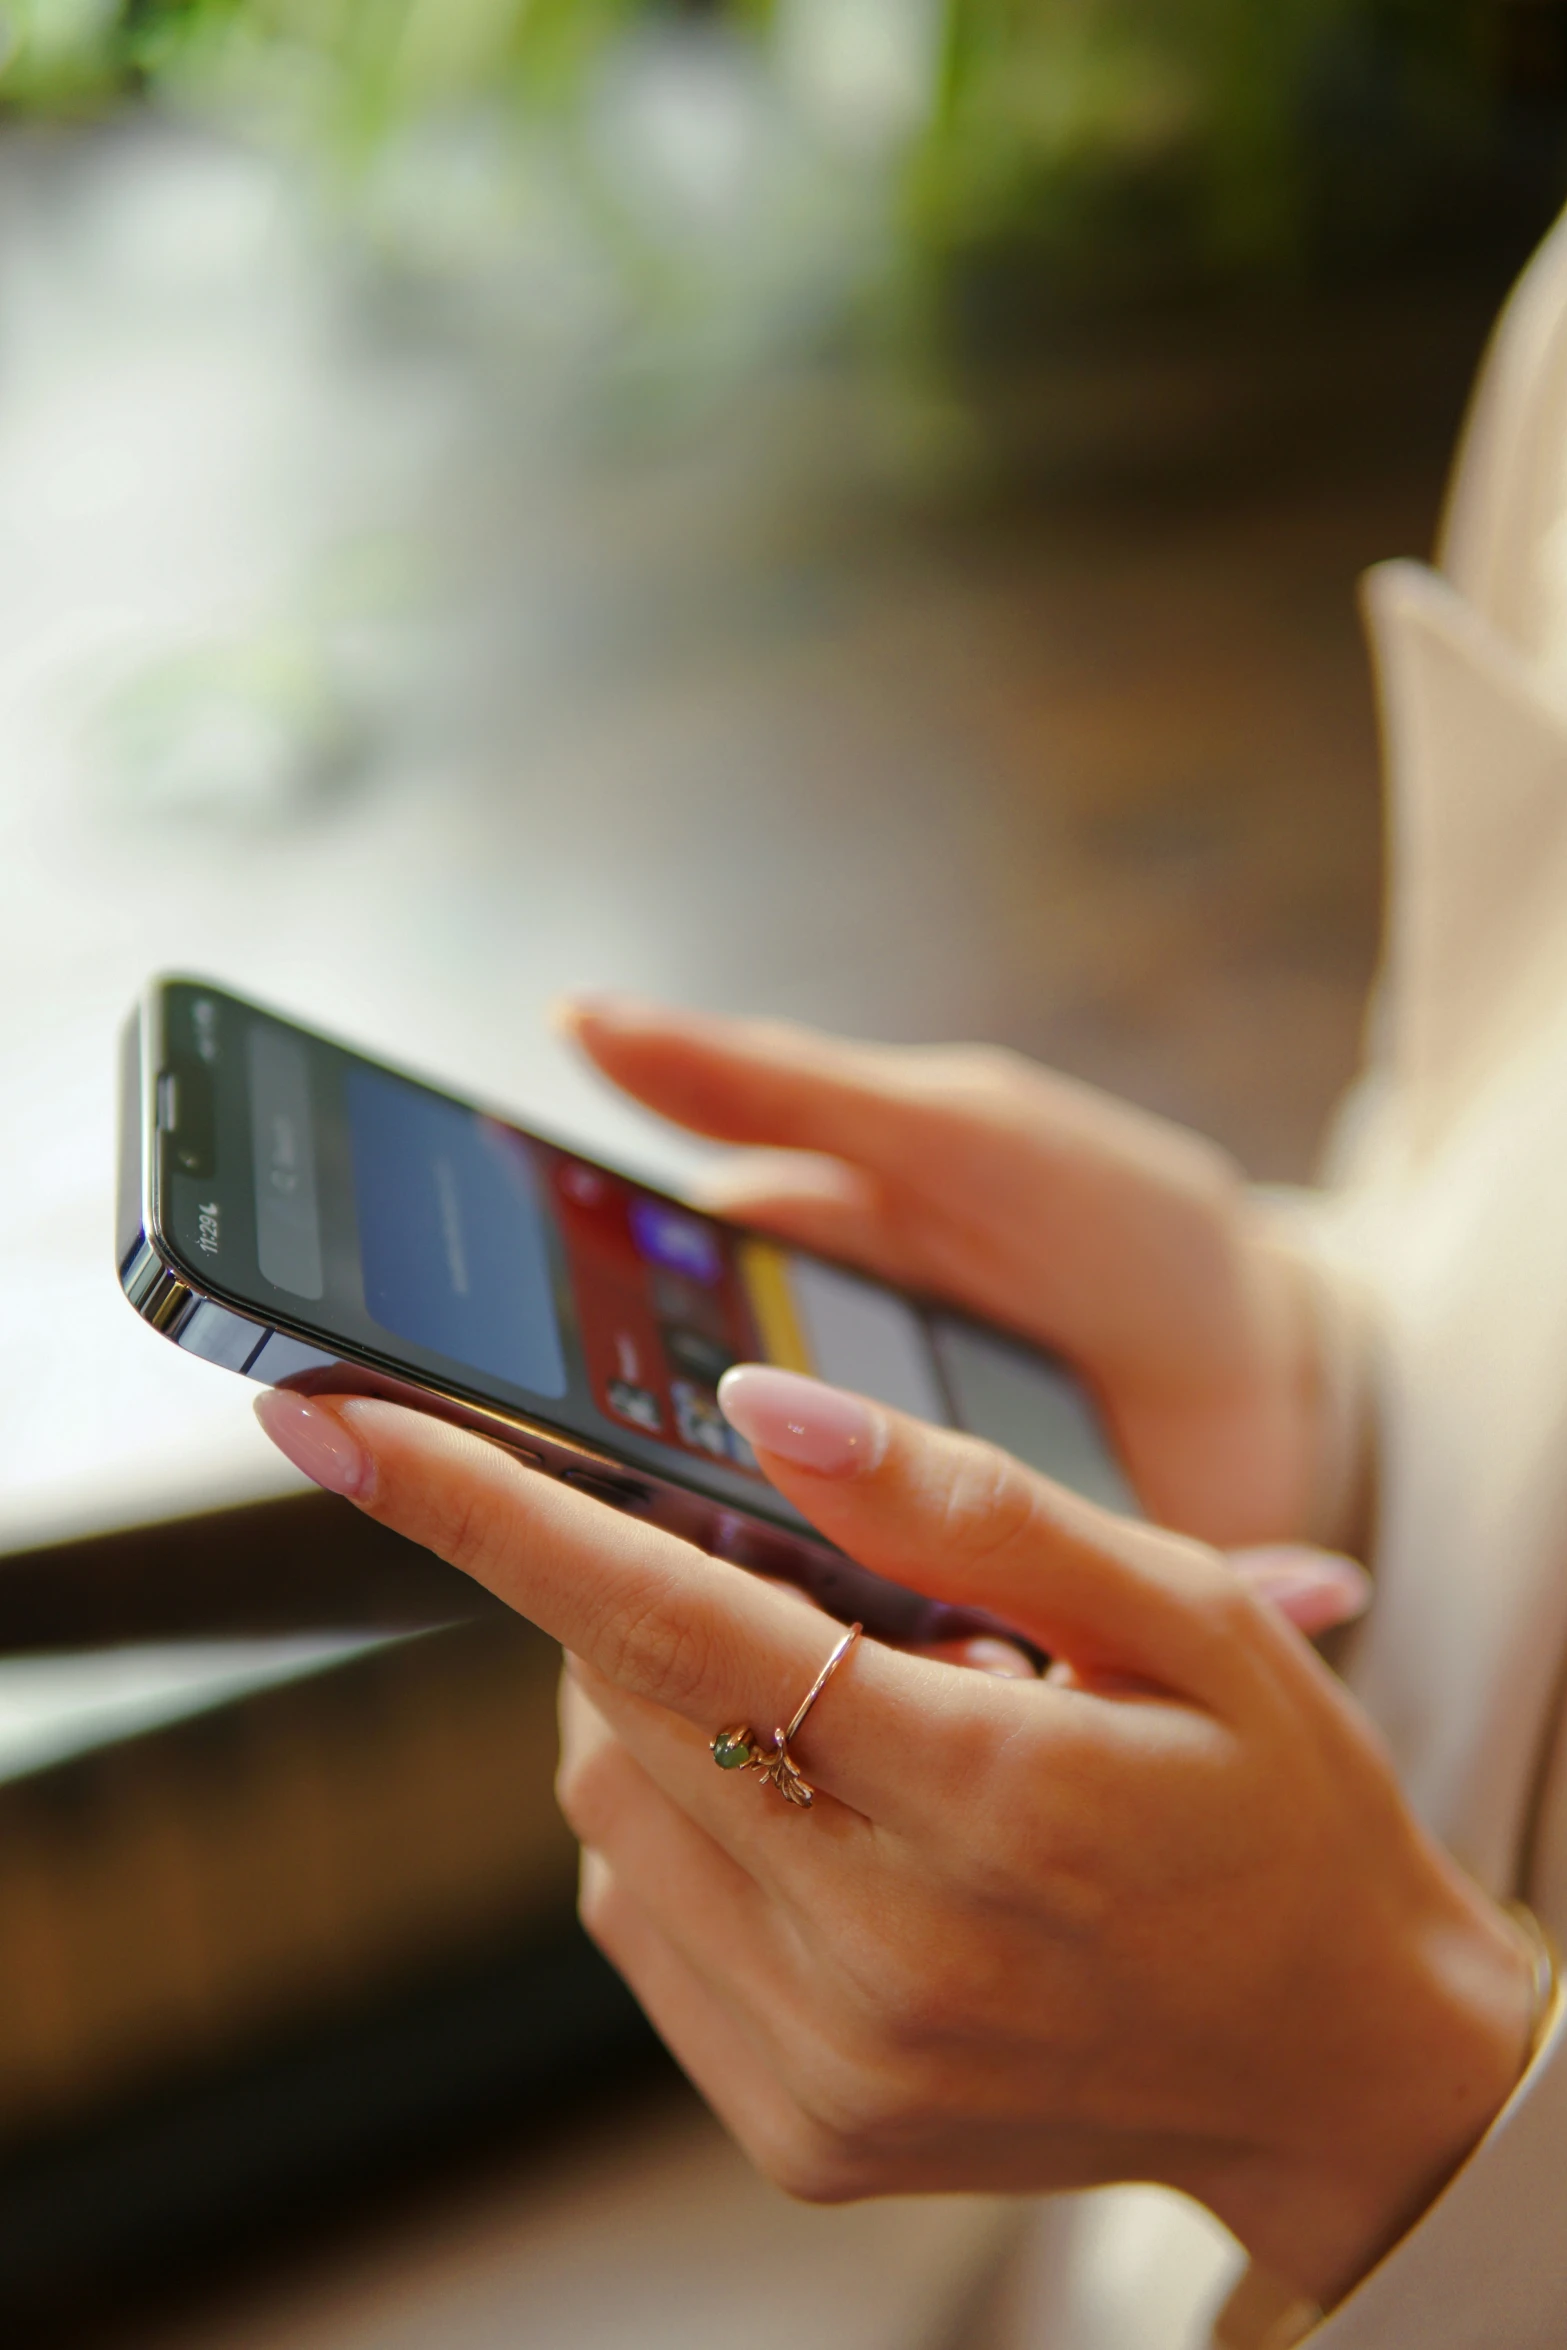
{"points": [[740, 1749]]}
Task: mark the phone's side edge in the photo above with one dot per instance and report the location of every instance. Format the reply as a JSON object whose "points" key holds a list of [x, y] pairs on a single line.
{"points": [[156, 1291], [156, 1288]]}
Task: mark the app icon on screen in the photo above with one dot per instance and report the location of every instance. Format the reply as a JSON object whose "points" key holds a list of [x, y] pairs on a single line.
{"points": [[702, 1425], [698, 1356], [639, 1405], [667, 1236]]}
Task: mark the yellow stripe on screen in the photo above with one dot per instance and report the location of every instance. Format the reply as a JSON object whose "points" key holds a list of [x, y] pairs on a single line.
{"points": [[764, 1269]]}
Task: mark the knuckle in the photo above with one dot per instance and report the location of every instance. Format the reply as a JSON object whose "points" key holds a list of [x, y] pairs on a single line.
{"points": [[865, 2105], [989, 1504], [918, 2003], [589, 1789], [867, 2111], [659, 1651], [571, 1796], [808, 2161], [903, 1989], [864, 2082], [579, 1796], [601, 1911]]}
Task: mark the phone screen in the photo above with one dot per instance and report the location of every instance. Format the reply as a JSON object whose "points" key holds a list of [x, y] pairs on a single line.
{"points": [[359, 1207]]}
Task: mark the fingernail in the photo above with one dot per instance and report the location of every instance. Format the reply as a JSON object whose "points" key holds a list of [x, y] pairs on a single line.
{"points": [[614, 1011], [1316, 1589], [823, 1429], [982, 1654], [315, 1439]]}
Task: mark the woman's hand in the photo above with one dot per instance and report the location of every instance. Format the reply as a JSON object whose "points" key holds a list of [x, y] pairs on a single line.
{"points": [[1163, 1916], [1128, 1244]]}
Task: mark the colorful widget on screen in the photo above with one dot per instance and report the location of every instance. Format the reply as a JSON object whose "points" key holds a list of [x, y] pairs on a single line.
{"points": [[667, 1300], [476, 1242], [661, 1313]]}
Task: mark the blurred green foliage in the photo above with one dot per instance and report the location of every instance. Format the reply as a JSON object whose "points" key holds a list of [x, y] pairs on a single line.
{"points": [[345, 68], [1217, 130], [1110, 140]]}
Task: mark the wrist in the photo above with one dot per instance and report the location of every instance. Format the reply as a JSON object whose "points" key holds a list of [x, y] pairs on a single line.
{"points": [[1459, 2024]]}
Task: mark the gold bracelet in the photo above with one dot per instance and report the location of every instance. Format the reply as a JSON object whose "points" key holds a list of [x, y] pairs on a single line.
{"points": [[1547, 1976], [1264, 2313]]}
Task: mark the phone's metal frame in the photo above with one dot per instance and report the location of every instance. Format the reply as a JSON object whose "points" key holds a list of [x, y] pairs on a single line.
{"points": [[171, 1297]]}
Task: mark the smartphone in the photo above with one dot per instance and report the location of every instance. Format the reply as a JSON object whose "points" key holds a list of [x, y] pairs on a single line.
{"points": [[295, 1211]]}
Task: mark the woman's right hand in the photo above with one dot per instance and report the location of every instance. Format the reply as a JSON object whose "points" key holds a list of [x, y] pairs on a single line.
{"points": [[1126, 1243], [1163, 1915]]}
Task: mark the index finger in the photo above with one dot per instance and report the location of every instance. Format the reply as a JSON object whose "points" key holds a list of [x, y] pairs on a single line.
{"points": [[925, 1116], [656, 1616], [1014, 1187]]}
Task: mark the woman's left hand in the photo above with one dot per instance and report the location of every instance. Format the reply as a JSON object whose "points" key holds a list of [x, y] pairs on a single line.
{"points": [[1162, 1916]]}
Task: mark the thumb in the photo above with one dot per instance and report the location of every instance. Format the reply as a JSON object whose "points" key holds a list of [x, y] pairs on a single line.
{"points": [[963, 1522]]}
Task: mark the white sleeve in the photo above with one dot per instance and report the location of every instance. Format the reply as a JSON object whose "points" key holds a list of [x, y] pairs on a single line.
{"points": [[1486, 2267]]}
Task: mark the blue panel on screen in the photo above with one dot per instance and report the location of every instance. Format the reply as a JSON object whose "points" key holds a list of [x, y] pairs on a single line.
{"points": [[451, 1234]]}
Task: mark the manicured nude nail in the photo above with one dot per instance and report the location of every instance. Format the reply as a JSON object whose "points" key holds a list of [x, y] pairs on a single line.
{"points": [[1001, 1659], [1316, 1589], [315, 1439], [813, 1427]]}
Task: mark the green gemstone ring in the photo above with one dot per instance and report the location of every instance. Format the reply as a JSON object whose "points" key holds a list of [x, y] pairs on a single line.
{"points": [[732, 1749], [739, 1749]]}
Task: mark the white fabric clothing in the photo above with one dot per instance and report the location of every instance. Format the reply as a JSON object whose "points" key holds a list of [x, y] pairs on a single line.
{"points": [[1448, 1210]]}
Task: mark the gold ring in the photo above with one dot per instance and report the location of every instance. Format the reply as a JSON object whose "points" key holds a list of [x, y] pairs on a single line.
{"points": [[741, 1750]]}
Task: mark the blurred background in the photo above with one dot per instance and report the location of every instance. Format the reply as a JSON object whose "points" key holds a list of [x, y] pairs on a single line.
{"points": [[847, 508]]}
